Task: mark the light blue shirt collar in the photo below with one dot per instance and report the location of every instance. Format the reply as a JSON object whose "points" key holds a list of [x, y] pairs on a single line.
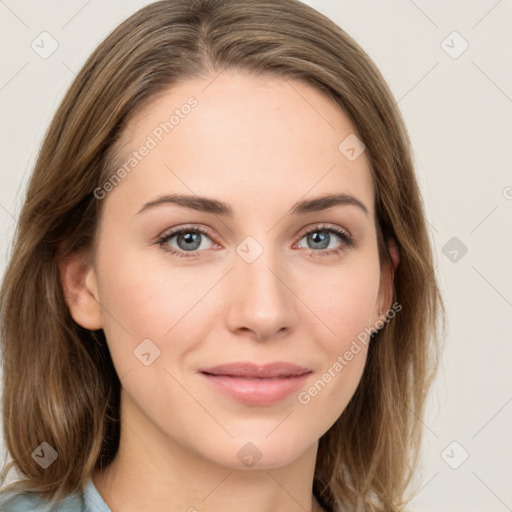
{"points": [[93, 500]]}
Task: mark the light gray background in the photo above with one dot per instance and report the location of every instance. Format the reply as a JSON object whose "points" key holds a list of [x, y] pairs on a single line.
{"points": [[458, 112]]}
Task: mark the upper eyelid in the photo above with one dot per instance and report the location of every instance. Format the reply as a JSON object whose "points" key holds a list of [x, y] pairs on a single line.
{"points": [[206, 230], [324, 226], [176, 231]]}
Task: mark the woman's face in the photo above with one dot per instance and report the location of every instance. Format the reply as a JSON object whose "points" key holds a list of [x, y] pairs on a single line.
{"points": [[245, 286]]}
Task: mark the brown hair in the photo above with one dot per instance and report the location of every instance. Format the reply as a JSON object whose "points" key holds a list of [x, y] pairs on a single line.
{"points": [[59, 382]]}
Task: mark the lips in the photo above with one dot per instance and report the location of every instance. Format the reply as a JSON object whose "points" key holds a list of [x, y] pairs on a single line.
{"points": [[256, 385], [251, 370]]}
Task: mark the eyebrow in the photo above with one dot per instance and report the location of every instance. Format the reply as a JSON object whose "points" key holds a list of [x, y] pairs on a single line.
{"points": [[204, 204]]}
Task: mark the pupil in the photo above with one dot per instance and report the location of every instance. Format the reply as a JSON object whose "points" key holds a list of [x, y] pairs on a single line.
{"points": [[320, 238], [191, 239]]}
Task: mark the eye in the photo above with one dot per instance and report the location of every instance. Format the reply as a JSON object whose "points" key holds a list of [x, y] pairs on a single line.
{"points": [[188, 239], [321, 237]]}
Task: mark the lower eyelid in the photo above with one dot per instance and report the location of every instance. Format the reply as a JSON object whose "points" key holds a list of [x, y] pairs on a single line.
{"points": [[345, 242], [164, 239], [345, 239]]}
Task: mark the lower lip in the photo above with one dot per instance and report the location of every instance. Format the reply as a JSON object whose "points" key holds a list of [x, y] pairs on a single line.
{"points": [[253, 391]]}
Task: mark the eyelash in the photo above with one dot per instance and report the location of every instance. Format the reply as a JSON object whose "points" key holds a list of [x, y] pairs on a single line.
{"points": [[347, 240]]}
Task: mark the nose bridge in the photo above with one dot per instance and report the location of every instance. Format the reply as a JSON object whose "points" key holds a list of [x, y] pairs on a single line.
{"points": [[261, 300]]}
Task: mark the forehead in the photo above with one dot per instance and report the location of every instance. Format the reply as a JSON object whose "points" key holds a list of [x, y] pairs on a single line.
{"points": [[233, 136]]}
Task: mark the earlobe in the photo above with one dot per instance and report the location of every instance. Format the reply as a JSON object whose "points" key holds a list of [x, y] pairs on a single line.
{"points": [[78, 279], [395, 255], [387, 278]]}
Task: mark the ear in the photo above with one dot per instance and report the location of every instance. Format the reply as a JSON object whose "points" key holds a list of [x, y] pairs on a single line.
{"points": [[388, 270], [80, 289]]}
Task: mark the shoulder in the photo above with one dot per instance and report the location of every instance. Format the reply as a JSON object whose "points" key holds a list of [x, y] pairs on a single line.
{"points": [[31, 502]]}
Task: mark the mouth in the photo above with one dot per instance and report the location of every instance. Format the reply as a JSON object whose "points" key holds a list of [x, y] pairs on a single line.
{"points": [[256, 385], [251, 370]]}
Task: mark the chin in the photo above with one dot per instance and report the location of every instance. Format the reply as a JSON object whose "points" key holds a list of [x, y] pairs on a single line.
{"points": [[259, 452]]}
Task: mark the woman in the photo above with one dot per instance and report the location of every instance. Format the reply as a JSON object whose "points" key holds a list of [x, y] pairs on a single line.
{"points": [[221, 294]]}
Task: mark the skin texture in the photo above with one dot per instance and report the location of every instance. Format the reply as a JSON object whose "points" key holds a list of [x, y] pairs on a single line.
{"points": [[260, 144]]}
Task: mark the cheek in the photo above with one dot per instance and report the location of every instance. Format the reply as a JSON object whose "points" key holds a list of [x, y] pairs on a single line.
{"points": [[147, 299], [344, 299]]}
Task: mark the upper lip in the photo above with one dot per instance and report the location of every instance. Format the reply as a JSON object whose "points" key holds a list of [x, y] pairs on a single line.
{"points": [[247, 369]]}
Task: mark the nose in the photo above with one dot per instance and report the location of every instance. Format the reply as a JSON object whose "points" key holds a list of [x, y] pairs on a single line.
{"points": [[261, 300]]}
